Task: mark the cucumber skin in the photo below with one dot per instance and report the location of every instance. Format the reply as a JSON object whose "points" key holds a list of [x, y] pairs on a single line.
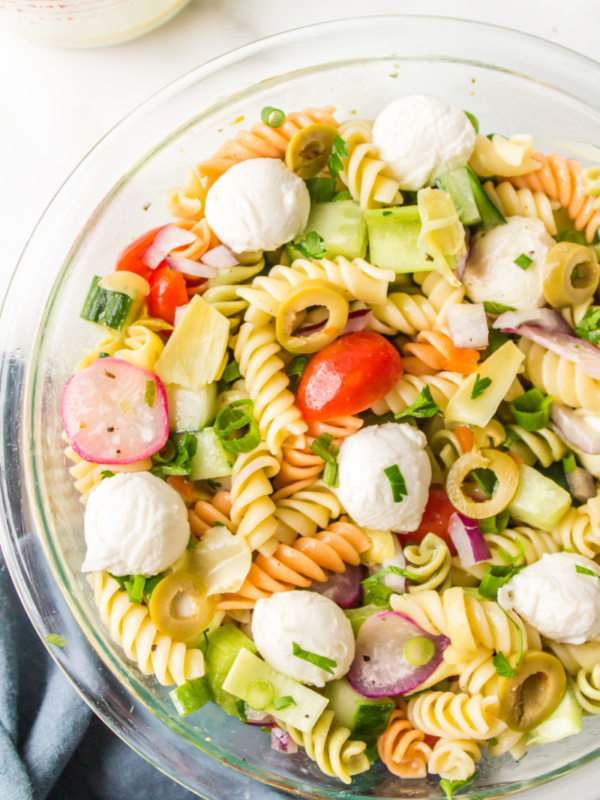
{"points": [[365, 717], [490, 216], [458, 185], [105, 307], [211, 459], [224, 644]]}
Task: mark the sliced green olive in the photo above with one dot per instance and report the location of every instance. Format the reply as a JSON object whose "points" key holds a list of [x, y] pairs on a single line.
{"points": [[308, 151], [571, 274], [299, 298], [507, 474], [180, 607], [536, 689]]}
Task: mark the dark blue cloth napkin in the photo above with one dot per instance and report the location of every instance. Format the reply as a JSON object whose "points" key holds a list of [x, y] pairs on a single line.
{"points": [[51, 744]]}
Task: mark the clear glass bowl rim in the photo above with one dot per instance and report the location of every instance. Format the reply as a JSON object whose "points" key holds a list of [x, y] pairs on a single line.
{"points": [[579, 80]]}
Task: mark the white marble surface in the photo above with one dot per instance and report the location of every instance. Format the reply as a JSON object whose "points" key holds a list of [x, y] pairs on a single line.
{"points": [[55, 104]]}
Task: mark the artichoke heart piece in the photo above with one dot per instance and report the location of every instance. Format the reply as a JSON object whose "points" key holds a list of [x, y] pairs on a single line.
{"points": [[298, 300], [442, 236]]}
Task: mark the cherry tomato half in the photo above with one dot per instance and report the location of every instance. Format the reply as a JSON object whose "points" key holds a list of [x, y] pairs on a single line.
{"points": [[348, 376], [167, 291], [435, 520], [129, 258]]}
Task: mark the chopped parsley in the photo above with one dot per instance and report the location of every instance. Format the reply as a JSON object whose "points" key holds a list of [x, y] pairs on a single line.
{"points": [[324, 448], [273, 117], [449, 787], [231, 372], [283, 702], [588, 327], [107, 473], [339, 150], [341, 196], [480, 385], [497, 308], [321, 190], [503, 668], [423, 407], [312, 246], [586, 571]]}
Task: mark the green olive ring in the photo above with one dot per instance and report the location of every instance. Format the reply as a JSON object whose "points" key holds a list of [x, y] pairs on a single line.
{"points": [[507, 474], [571, 274], [187, 622], [307, 153], [296, 301], [534, 691]]}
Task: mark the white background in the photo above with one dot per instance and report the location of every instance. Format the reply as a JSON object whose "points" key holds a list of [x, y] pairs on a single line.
{"points": [[56, 103]]}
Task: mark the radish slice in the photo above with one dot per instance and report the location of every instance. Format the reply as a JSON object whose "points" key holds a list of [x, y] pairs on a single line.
{"points": [[219, 257], [469, 541], [467, 323], [110, 414], [342, 587], [584, 354], [282, 741], [190, 267], [169, 238], [394, 655]]}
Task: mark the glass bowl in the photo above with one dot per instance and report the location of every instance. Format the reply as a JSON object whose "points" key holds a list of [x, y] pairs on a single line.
{"points": [[512, 82]]}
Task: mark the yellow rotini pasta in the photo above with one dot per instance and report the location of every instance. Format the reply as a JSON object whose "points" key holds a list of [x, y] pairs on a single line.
{"points": [[512, 202], [142, 347], [364, 173], [442, 235], [587, 689], [430, 562], [331, 747], [542, 445], [443, 387], [109, 344], [503, 157], [87, 475], [456, 716], [579, 529], [252, 510], [129, 625], [454, 759], [304, 512]]}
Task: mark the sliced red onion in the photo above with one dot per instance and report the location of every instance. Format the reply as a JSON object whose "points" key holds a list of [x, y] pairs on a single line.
{"points": [[342, 587], [357, 321], [380, 667], [179, 312], [169, 238], [282, 741], [584, 354], [581, 484], [545, 318], [189, 267], [220, 257], [574, 429], [258, 718], [470, 544], [467, 323], [395, 582]]}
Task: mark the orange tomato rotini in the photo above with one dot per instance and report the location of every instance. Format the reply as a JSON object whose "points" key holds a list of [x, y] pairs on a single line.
{"points": [[205, 515], [308, 559], [402, 748], [561, 179], [434, 351]]}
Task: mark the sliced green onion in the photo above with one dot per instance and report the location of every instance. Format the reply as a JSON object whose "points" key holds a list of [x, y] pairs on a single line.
{"points": [[532, 410], [107, 473], [241, 709], [397, 482], [586, 571], [507, 556], [569, 463], [283, 702], [167, 453], [56, 640], [150, 393], [259, 694], [494, 579], [523, 261], [328, 664], [135, 588], [571, 236], [231, 372], [419, 651], [234, 418], [423, 407], [324, 448], [176, 456], [479, 387], [191, 696], [391, 570], [273, 117], [473, 120], [495, 524], [321, 190]]}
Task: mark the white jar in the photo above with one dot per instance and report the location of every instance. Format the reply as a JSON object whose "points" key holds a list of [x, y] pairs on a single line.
{"points": [[86, 23]]}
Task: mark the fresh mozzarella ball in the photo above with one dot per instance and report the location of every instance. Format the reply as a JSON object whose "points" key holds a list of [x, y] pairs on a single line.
{"points": [[257, 205], [421, 137], [555, 599], [135, 524], [491, 273], [365, 490], [311, 620]]}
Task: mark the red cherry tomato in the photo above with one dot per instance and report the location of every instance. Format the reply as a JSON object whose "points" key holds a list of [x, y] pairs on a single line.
{"points": [[348, 376], [129, 258], [167, 291], [435, 520]]}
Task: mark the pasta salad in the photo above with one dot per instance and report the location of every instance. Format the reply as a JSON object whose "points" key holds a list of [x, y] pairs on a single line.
{"points": [[338, 441]]}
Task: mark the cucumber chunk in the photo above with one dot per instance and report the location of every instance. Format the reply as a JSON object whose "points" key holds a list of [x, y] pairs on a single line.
{"points": [[359, 615], [191, 696], [393, 235], [564, 721], [211, 459], [248, 669], [457, 184], [363, 715], [224, 646], [539, 501], [341, 225], [490, 216], [115, 300], [189, 409]]}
